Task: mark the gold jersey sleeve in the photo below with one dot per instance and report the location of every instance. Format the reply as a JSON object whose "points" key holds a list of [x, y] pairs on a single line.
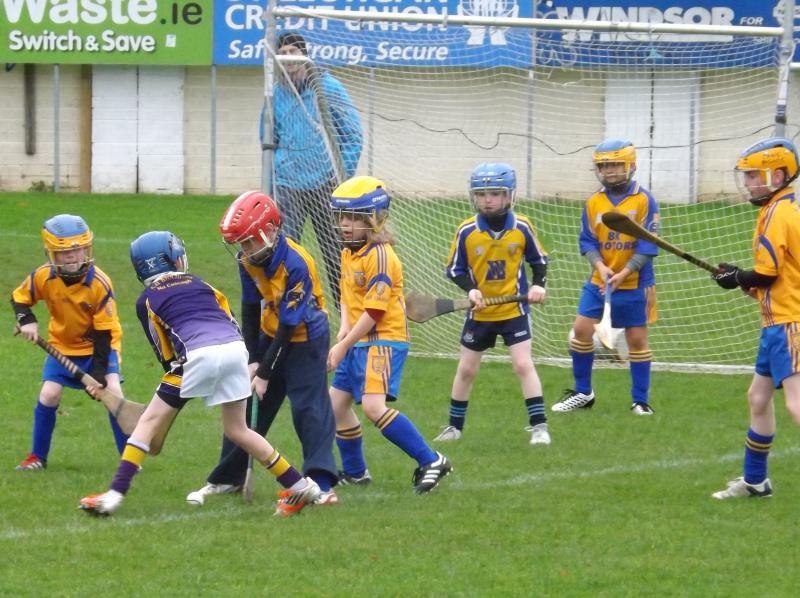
{"points": [[76, 310]]}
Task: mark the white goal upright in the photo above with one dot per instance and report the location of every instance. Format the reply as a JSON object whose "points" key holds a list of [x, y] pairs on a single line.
{"points": [[437, 94]]}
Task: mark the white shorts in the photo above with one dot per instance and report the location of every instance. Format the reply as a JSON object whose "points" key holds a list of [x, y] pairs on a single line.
{"points": [[217, 374]]}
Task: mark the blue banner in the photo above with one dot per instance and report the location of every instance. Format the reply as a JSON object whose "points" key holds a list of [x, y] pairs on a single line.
{"points": [[239, 33]]}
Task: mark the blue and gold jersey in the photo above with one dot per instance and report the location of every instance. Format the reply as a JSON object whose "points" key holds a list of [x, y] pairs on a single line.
{"points": [[75, 310], [615, 248], [495, 261], [776, 248], [289, 285], [179, 312], [372, 278]]}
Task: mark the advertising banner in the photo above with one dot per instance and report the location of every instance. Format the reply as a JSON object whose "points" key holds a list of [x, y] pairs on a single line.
{"points": [[170, 32], [239, 31]]}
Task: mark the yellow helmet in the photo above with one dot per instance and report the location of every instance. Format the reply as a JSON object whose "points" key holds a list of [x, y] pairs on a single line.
{"points": [[66, 232], [766, 157], [363, 196], [615, 151]]}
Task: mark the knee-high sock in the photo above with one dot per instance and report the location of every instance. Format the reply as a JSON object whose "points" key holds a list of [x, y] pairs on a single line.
{"points": [[400, 431], [286, 475], [640, 375], [536, 412], [582, 359], [44, 422], [756, 453], [132, 458], [458, 413], [351, 448]]}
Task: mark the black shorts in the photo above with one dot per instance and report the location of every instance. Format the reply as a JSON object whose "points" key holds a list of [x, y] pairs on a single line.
{"points": [[479, 336]]}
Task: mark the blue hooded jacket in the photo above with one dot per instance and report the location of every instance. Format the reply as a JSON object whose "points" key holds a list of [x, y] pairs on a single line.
{"points": [[301, 158]]}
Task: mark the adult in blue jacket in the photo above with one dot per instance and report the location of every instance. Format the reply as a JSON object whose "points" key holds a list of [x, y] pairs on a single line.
{"points": [[306, 102]]}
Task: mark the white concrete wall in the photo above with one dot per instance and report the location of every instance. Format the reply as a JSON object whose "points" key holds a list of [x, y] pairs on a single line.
{"points": [[137, 129], [18, 171]]}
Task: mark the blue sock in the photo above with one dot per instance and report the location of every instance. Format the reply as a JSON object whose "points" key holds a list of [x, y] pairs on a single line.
{"points": [[120, 438], [400, 431], [536, 412], [582, 360], [44, 422], [640, 375], [756, 453], [351, 447], [458, 413]]}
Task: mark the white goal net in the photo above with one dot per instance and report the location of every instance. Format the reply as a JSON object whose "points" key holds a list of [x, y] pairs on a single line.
{"points": [[435, 99]]}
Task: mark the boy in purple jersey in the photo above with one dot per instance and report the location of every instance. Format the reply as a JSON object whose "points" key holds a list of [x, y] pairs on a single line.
{"points": [[197, 340]]}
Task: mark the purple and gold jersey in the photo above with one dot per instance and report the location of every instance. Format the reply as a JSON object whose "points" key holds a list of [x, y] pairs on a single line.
{"points": [[776, 249], [495, 261], [372, 278], [615, 248], [75, 310], [290, 287], [179, 312]]}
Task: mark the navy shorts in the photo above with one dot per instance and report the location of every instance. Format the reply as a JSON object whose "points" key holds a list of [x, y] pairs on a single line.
{"points": [[479, 336]]}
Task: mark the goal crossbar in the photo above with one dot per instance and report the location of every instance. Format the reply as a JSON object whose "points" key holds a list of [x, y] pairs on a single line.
{"points": [[530, 23]]}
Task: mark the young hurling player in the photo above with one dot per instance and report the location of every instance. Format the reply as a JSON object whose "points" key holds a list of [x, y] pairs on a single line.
{"points": [[194, 335], [622, 264], [84, 325], [764, 173], [487, 259], [287, 342], [372, 343]]}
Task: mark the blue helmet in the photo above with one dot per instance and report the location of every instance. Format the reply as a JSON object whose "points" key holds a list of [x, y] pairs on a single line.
{"points": [[493, 175], [614, 151], [157, 252], [63, 233]]}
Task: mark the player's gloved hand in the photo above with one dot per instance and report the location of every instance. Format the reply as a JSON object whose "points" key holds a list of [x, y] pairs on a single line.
{"points": [[727, 277]]}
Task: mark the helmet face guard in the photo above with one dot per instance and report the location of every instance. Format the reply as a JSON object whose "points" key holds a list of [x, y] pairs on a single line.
{"points": [[359, 204], [156, 253], [614, 163], [756, 169], [493, 176], [252, 222], [68, 246]]}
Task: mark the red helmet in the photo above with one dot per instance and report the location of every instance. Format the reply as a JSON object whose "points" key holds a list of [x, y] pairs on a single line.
{"points": [[249, 217]]}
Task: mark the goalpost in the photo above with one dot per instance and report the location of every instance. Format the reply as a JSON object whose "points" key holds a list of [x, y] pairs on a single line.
{"points": [[437, 94]]}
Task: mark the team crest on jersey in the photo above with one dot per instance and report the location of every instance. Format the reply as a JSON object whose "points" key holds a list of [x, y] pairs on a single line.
{"points": [[378, 364], [380, 288], [512, 249], [479, 251], [360, 279], [294, 297]]}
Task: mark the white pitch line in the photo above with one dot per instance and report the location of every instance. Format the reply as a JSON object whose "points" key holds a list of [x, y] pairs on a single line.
{"points": [[195, 513]]}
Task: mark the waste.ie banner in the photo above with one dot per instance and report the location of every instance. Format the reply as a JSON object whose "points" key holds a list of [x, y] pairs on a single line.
{"points": [[168, 32]]}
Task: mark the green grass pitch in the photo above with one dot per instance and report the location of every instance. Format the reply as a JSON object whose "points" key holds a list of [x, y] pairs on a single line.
{"points": [[616, 506]]}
